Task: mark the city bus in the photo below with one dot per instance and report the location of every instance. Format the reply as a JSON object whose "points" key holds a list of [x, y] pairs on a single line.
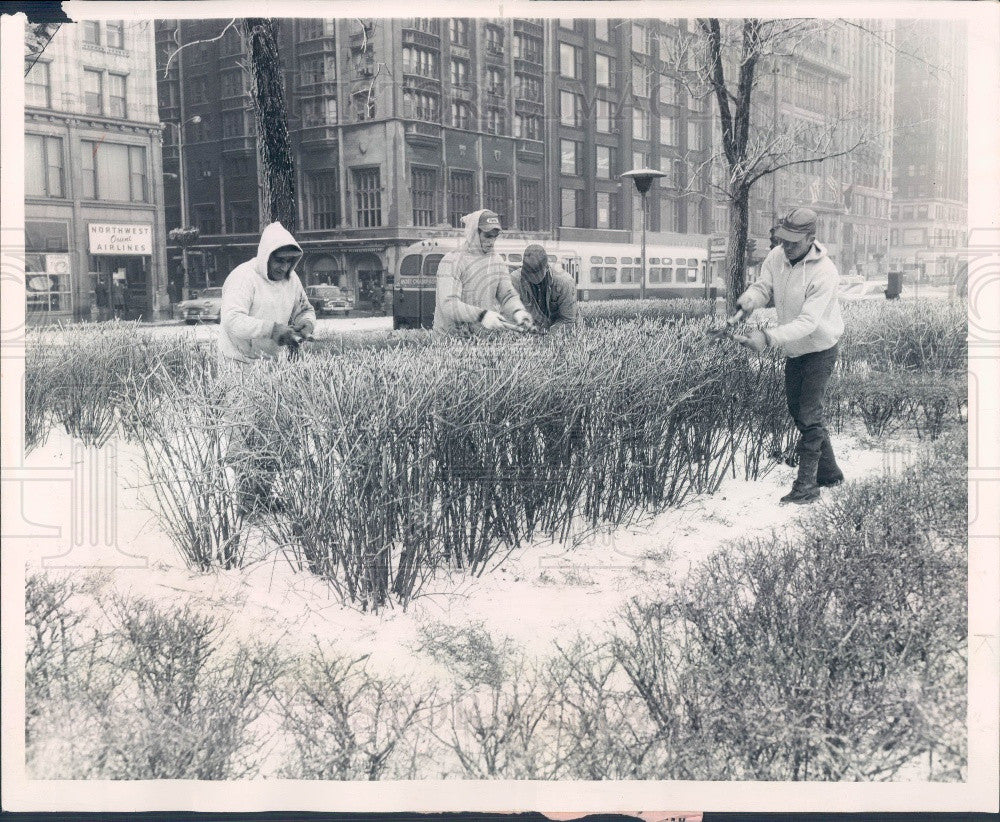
{"points": [[602, 271]]}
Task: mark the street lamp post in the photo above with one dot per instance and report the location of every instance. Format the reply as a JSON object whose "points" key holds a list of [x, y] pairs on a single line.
{"points": [[643, 179], [182, 179]]}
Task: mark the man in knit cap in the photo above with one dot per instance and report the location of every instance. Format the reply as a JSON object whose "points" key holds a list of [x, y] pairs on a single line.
{"points": [[548, 292], [474, 292]]}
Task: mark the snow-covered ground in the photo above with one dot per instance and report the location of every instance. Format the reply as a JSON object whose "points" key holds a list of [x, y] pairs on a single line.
{"points": [[542, 593]]}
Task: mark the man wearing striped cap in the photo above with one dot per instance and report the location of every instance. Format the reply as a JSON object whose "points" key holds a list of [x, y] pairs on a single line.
{"points": [[474, 291]]}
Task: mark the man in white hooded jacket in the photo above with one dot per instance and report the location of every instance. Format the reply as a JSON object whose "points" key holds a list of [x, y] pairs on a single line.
{"points": [[473, 284], [800, 280], [264, 305]]}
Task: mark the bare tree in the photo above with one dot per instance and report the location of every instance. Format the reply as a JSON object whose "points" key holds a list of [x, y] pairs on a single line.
{"points": [[726, 60]]}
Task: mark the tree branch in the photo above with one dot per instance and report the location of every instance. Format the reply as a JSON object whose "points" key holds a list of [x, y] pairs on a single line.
{"points": [[180, 48]]}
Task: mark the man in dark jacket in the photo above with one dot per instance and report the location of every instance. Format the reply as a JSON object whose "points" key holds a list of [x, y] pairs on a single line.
{"points": [[548, 294]]}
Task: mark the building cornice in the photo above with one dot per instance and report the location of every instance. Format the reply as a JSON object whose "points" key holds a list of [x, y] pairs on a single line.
{"points": [[43, 115]]}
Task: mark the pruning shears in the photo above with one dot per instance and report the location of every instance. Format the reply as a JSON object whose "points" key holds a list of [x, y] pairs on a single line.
{"points": [[727, 329], [521, 329]]}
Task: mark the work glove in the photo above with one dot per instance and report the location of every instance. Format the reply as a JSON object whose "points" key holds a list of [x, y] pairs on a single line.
{"points": [[491, 321], [746, 303], [523, 319], [304, 327], [284, 335], [755, 340]]}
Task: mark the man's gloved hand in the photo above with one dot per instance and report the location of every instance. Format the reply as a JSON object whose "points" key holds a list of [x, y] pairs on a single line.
{"points": [[523, 319], [746, 303], [284, 335], [304, 328], [755, 340], [491, 321]]}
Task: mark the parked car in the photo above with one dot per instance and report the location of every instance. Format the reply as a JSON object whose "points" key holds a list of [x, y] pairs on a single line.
{"points": [[205, 307], [858, 292], [329, 299]]}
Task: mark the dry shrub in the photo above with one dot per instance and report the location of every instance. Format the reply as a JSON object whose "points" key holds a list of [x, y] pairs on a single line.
{"points": [[614, 311], [834, 652], [346, 723]]}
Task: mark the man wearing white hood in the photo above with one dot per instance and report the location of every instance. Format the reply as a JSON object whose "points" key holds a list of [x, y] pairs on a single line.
{"points": [[473, 284], [264, 305]]}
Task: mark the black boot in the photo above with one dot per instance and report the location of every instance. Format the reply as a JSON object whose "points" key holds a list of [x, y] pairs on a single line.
{"points": [[828, 473], [804, 489]]}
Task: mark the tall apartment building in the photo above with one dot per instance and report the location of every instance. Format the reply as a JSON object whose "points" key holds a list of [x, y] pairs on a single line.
{"points": [[399, 127], [930, 172], [94, 226], [840, 82]]}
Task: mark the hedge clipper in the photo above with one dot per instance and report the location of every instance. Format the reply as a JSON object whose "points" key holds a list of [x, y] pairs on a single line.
{"points": [[533, 328], [726, 331]]}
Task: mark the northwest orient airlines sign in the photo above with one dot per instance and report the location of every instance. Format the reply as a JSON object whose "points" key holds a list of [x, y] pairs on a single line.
{"points": [[121, 238]]}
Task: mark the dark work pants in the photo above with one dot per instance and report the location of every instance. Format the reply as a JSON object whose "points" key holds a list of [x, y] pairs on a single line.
{"points": [[806, 378]]}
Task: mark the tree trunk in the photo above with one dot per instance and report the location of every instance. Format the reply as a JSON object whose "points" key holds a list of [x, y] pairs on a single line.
{"points": [[274, 148], [736, 251]]}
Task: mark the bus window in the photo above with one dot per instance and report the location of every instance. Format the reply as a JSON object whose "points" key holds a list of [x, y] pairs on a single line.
{"points": [[667, 261], [654, 275], [668, 275], [410, 266], [431, 263], [692, 275], [610, 275], [514, 258], [596, 260], [552, 258], [595, 274], [654, 260], [692, 262], [611, 261], [626, 261]]}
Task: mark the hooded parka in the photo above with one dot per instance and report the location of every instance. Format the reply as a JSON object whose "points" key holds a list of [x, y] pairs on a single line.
{"points": [[470, 281], [252, 303]]}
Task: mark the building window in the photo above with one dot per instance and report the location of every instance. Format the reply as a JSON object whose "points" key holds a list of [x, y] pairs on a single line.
{"points": [[640, 81], [495, 82], [570, 61], [233, 83], [197, 89], [113, 172], [461, 115], [459, 71], [640, 159], [93, 90], [527, 88], [368, 198], [497, 195], [529, 199], [606, 165], [321, 69], [458, 31], [601, 30], [206, 218], [233, 123], [461, 193], [428, 24], [528, 48], [37, 91], [424, 193], [496, 121], [47, 269], [242, 217], [419, 105], [640, 39], [232, 43], [602, 69], [528, 126], [324, 200], [640, 124], [668, 131], [607, 210], [321, 111], [668, 92], [603, 117], [364, 106], [422, 62], [117, 105], [43, 166], [91, 32], [569, 108], [494, 40], [694, 135], [571, 213], [115, 32], [571, 157]]}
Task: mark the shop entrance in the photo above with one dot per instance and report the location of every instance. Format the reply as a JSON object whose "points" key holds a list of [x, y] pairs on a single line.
{"points": [[121, 286]]}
